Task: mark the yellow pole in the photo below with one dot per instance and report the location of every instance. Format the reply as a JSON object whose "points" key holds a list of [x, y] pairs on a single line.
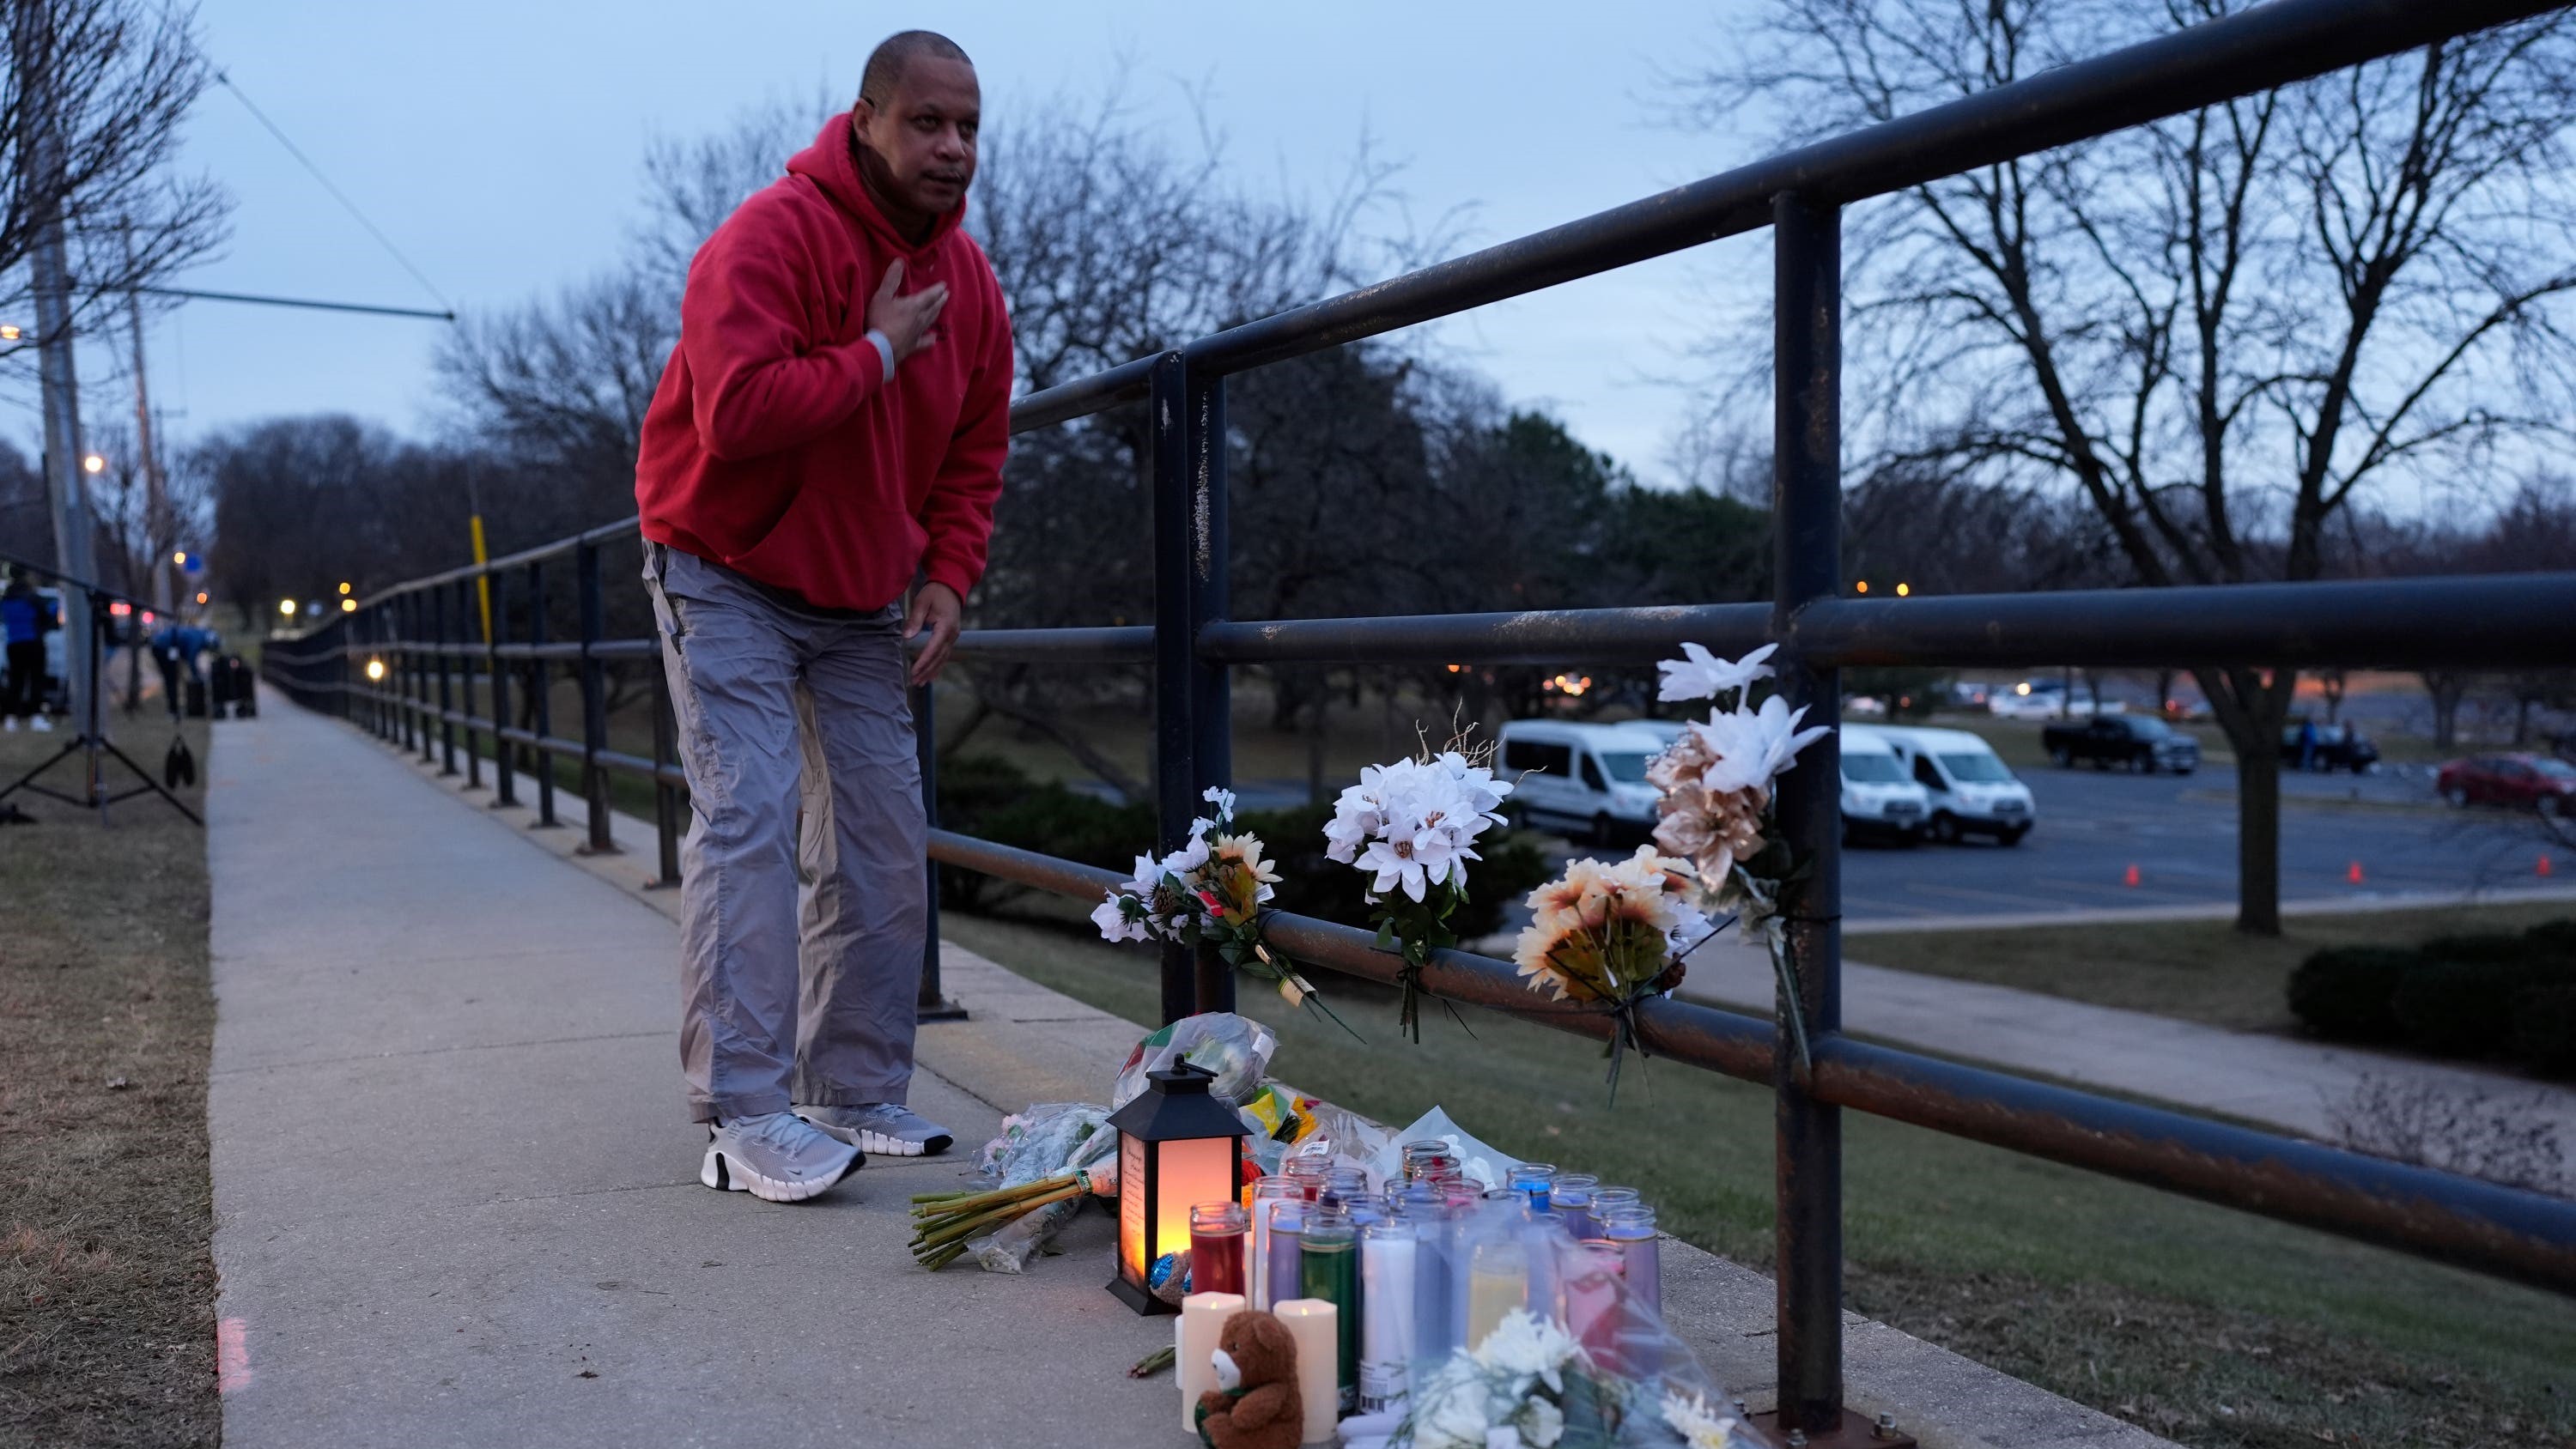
{"points": [[482, 583]]}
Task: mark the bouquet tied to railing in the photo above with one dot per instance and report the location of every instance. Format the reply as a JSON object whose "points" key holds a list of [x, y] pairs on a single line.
{"points": [[1208, 895], [1715, 799], [1411, 827]]}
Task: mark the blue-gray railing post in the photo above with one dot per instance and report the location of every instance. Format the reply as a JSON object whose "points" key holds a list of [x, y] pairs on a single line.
{"points": [[931, 1003], [1176, 801], [464, 589], [541, 694], [415, 681], [594, 702], [1211, 684], [1806, 519], [505, 777], [666, 796], [446, 687]]}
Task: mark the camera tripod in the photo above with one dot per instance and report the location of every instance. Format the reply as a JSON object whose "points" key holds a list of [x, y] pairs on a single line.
{"points": [[92, 743]]}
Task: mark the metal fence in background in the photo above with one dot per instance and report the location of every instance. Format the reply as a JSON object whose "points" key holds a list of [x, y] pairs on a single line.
{"points": [[436, 663]]}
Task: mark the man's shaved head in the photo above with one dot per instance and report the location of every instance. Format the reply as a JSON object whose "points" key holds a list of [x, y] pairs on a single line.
{"points": [[886, 63]]}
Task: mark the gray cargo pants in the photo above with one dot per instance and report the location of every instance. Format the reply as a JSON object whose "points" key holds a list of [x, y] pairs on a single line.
{"points": [[800, 958]]}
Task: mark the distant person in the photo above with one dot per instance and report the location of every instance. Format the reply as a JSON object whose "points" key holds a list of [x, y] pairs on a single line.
{"points": [[2307, 744], [175, 648], [826, 443], [25, 618]]}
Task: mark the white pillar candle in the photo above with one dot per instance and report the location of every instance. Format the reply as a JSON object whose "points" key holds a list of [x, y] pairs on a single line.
{"points": [[1314, 1326], [1386, 1316], [1203, 1317]]}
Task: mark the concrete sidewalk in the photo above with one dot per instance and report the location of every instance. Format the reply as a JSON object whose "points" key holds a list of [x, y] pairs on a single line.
{"points": [[455, 1188], [456, 1198]]}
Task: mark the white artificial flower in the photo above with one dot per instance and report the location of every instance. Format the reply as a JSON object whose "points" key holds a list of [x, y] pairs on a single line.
{"points": [[1527, 1345], [1449, 1412], [1396, 868], [1189, 859], [1111, 917], [1750, 747], [1700, 1426], [1702, 675], [1541, 1424], [1223, 799]]}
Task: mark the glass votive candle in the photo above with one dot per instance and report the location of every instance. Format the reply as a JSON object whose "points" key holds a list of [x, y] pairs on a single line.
{"points": [[1309, 1174], [1329, 1269], [1572, 1199], [1605, 1199], [1417, 1154], [1217, 1232], [1266, 1194], [1536, 1179], [1632, 1231]]}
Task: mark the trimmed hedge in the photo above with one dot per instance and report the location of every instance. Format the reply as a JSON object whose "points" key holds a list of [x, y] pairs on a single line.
{"points": [[2474, 996], [991, 798]]}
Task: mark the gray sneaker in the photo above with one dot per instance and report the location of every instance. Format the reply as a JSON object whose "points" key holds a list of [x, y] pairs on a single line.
{"points": [[889, 1129], [776, 1157]]}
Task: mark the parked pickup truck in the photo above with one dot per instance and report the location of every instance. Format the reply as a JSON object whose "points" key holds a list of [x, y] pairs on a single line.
{"points": [[2124, 741]]}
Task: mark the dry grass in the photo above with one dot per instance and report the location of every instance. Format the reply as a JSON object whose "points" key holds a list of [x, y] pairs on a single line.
{"points": [[2205, 971], [106, 1024]]}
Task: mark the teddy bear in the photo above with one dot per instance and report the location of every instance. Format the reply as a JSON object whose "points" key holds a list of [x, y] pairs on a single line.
{"points": [[1255, 1404]]}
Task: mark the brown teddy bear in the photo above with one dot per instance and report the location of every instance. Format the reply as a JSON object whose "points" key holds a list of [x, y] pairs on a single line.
{"points": [[1255, 1404]]}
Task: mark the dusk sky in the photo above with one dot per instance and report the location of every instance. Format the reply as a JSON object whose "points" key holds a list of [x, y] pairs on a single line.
{"points": [[498, 144]]}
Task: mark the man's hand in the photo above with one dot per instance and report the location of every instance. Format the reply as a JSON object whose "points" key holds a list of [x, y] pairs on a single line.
{"points": [[909, 323], [937, 608]]}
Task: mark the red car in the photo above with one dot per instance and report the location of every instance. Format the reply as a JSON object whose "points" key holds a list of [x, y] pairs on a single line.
{"points": [[2529, 782]]}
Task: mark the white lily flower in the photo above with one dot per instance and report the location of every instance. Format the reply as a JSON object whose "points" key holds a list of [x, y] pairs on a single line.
{"points": [[1394, 867], [1750, 747], [1700, 674], [1223, 799], [1111, 917]]}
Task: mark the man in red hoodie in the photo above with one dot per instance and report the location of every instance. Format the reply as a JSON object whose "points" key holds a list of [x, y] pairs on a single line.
{"points": [[827, 440]]}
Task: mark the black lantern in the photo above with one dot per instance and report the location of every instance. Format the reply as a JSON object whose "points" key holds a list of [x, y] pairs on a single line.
{"points": [[1177, 1146]]}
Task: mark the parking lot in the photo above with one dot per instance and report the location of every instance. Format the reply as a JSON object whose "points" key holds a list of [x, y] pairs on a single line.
{"points": [[2179, 832]]}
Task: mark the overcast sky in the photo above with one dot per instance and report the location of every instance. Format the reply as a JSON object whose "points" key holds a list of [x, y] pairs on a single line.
{"points": [[498, 143]]}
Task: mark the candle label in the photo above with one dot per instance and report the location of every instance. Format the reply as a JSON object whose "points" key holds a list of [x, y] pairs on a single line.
{"points": [[1383, 1385]]}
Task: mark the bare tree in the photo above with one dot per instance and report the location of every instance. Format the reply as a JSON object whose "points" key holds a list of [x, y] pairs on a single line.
{"points": [[2221, 328], [90, 107]]}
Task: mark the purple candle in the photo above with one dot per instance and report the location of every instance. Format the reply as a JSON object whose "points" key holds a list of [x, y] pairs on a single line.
{"points": [[1287, 1247]]}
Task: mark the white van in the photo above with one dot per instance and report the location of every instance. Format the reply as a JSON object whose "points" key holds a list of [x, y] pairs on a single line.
{"points": [[1973, 792], [1879, 795], [1581, 778]]}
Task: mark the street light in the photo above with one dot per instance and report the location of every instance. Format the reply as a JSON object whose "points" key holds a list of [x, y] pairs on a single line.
{"points": [[9, 332], [201, 598], [348, 606], [344, 588], [94, 464], [1863, 586], [180, 558], [375, 670], [1903, 589], [286, 607]]}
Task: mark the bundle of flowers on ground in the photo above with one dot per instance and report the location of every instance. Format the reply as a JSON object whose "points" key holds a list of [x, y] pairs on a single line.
{"points": [[1411, 827], [1715, 796], [1207, 893], [1607, 936], [1532, 1385]]}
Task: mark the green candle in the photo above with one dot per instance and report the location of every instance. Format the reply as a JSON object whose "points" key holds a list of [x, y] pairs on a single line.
{"points": [[1329, 1269]]}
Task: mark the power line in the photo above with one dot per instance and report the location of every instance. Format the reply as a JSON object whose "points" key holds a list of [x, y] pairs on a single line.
{"points": [[254, 298], [226, 81]]}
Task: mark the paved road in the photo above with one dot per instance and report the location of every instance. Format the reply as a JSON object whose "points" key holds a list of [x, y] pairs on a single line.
{"points": [[2180, 833]]}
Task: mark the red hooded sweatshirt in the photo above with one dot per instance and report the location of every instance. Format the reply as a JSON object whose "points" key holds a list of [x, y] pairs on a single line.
{"points": [[777, 446]]}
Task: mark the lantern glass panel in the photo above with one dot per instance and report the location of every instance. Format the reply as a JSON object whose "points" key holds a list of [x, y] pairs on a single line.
{"points": [[1131, 1209], [1192, 1170]]}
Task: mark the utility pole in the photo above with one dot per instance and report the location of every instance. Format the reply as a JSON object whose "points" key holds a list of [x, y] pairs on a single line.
{"points": [[51, 274], [158, 534]]}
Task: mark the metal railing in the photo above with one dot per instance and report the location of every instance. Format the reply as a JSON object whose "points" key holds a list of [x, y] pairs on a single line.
{"points": [[2489, 622]]}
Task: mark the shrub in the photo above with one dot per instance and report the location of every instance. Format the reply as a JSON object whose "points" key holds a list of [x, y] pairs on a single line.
{"points": [[2346, 993], [2458, 1008], [991, 798], [2489, 948], [2554, 940], [2544, 1029]]}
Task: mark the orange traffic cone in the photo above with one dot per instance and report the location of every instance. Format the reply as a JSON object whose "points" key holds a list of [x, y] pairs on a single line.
{"points": [[2544, 868], [2131, 878], [2352, 873]]}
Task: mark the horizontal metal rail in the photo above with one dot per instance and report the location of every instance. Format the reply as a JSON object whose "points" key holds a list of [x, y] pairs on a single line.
{"points": [[2519, 1235]]}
